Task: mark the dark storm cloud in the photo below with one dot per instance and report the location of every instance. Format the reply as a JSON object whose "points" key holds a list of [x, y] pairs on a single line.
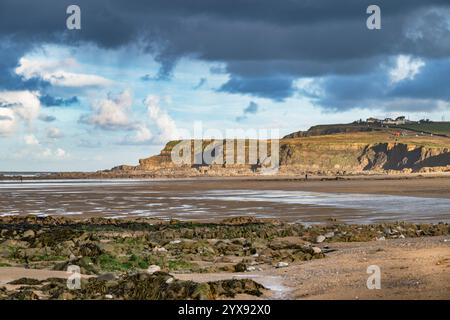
{"points": [[252, 108], [50, 101], [376, 90], [10, 53], [431, 83], [264, 44], [200, 83], [276, 88]]}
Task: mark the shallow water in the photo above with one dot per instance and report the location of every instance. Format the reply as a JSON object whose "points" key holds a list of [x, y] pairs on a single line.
{"points": [[139, 198]]}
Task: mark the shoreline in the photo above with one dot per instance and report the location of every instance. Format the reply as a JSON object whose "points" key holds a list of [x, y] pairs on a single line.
{"points": [[88, 176]]}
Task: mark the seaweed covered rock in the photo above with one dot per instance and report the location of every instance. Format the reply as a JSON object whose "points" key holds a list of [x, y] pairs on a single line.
{"points": [[156, 286], [25, 281]]}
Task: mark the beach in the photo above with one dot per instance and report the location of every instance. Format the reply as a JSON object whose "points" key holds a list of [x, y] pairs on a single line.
{"points": [[235, 238], [355, 200]]}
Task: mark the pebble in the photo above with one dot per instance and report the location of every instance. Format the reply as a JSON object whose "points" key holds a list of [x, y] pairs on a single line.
{"points": [[329, 234], [282, 264], [29, 234], [317, 250], [170, 280], [320, 239], [153, 268]]}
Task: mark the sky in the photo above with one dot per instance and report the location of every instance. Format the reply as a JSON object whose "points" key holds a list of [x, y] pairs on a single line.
{"points": [[140, 73]]}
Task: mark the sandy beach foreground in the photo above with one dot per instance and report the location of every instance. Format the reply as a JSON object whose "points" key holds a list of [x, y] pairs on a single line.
{"points": [[264, 238], [238, 258]]}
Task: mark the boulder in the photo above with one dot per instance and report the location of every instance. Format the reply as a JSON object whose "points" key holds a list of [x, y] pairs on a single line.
{"points": [[320, 239], [153, 268], [282, 264]]}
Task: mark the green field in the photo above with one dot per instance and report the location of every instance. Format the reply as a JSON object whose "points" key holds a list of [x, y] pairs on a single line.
{"points": [[429, 127]]}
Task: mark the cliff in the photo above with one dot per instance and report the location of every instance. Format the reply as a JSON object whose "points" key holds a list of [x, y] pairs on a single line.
{"points": [[364, 151]]}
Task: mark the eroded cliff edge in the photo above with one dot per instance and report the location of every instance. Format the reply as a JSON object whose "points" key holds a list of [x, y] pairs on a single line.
{"points": [[329, 154]]}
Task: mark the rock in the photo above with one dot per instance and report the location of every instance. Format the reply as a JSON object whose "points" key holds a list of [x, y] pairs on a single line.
{"points": [[109, 296], [159, 249], [240, 221], [329, 234], [107, 277], [240, 267], [66, 296], [169, 281], [175, 242], [153, 268], [286, 243], [15, 244], [26, 281], [90, 249], [29, 234], [381, 238], [316, 250], [24, 295], [250, 269], [320, 239], [401, 236], [282, 264]]}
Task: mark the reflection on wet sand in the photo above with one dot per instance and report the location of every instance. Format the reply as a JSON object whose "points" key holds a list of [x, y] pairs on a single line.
{"points": [[166, 200]]}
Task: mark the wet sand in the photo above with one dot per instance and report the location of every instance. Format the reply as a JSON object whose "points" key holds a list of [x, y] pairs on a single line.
{"points": [[295, 200]]}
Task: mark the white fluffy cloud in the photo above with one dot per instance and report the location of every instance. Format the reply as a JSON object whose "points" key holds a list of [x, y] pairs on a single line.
{"points": [[16, 106], [167, 128], [406, 68], [54, 133], [7, 121], [111, 113], [60, 153], [55, 72], [52, 154], [31, 140]]}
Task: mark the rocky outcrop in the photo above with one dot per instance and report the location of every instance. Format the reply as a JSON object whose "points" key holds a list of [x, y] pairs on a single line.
{"points": [[398, 156], [303, 155]]}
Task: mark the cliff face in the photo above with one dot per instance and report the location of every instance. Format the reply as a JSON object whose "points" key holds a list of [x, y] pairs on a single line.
{"points": [[360, 157], [400, 156], [299, 157], [330, 154]]}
